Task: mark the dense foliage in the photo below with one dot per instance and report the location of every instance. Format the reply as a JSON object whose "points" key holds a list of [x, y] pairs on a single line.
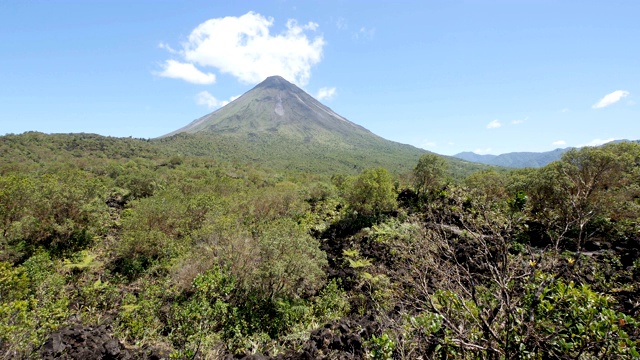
{"points": [[201, 257]]}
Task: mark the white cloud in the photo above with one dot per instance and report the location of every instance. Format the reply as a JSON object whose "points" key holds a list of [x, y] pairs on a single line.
{"points": [[342, 24], [245, 48], [611, 99], [309, 26], [597, 142], [519, 121], [482, 151], [187, 72], [364, 33], [494, 124], [225, 102], [326, 93], [208, 100], [631, 103], [565, 110], [559, 142], [166, 46]]}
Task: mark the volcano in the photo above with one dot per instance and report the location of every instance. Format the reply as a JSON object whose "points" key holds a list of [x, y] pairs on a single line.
{"points": [[279, 125], [278, 107]]}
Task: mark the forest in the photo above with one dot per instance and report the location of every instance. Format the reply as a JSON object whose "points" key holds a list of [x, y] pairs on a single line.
{"points": [[163, 253]]}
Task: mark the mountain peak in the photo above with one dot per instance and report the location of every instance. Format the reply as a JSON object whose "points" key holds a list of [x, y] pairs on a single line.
{"points": [[275, 82], [276, 107]]}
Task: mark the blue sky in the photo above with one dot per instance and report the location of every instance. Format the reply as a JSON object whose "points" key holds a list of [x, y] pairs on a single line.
{"points": [[490, 76]]}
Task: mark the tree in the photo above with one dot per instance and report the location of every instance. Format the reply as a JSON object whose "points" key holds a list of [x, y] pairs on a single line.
{"points": [[474, 292], [569, 193], [429, 173], [488, 183], [290, 262], [371, 193]]}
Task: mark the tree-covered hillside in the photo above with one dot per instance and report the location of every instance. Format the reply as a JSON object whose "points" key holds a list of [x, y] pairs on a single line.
{"points": [[515, 159], [280, 126], [190, 250], [520, 159]]}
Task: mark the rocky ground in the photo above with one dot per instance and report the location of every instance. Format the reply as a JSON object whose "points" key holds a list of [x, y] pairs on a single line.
{"points": [[84, 342]]}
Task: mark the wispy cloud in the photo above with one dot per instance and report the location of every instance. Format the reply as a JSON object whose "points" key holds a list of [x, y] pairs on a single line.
{"points": [[611, 99], [187, 72], [484, 151], [494, 124], [559, 142], [225, 102], [245, 48], [206, 99], [342, 23], [326, 93], [565, 110], [597, 142], [166, 46], [519, 121], [364, 33]]}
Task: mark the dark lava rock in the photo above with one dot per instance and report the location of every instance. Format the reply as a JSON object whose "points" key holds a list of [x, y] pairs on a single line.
{"points": [[80, 342], [112, 349], [246, 357], [343, 339], [86, 342]]}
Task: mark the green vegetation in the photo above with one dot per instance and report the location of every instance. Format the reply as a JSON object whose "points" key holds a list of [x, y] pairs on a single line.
{"points": [[371, 192], [515, 159], [429, 173], [184, 244], [278, 125]]}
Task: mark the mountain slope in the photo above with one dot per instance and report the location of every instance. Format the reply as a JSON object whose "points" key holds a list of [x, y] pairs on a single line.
{"points": [[522, 159], [278, 125], [276, 106], [515, 159]]}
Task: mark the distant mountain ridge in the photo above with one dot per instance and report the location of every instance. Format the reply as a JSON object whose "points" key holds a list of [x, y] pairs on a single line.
{"points": [[515, 159], [278, 125], [520, 159]]}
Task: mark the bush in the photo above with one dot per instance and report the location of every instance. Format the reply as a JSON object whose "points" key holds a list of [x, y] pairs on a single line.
{"points": [[32, 304], [332, 303], [206, 312], [62, 212], [372, 192], [138, 319], [572, 320], [290, 262]]}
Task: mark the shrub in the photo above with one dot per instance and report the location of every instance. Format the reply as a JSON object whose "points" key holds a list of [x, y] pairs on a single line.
{"points": [[62, 212], [32, 304], [372, 192]]}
